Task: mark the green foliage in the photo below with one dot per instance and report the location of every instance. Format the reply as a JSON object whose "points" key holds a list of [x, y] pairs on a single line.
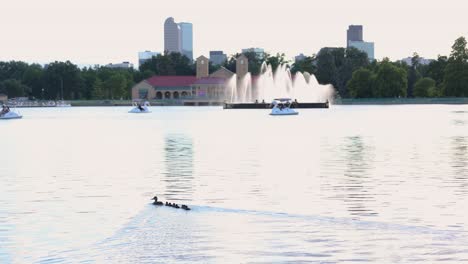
{"points": [[361, 84], [336, 65], [14, 88], [98, 90], [456, 71], [391, 81], [173, 63], [425, 87], [413, 74], [308, 64]]}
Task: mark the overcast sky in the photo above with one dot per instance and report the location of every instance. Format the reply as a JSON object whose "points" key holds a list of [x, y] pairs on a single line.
{"points": [[104, 31]]}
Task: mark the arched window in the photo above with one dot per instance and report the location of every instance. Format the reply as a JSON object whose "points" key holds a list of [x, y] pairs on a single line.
{"points": [[167, 95], [176, 95], [159, 95]]}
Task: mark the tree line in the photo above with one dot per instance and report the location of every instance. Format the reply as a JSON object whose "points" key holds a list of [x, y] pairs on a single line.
{"points": [[347, 69]]}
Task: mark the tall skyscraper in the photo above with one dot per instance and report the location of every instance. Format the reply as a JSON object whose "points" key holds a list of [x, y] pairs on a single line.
{"points": [[354, 33], [186, 39], [354, 39], [171, 36], [178, 37]]}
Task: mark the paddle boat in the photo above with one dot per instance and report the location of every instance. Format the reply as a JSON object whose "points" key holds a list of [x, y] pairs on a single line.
{"points": [[282, 106], [140, 108], [7, 113]]}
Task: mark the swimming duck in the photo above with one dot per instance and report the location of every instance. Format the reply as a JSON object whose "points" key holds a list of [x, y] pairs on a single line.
{"points": [[156, 201], [185, 207]]}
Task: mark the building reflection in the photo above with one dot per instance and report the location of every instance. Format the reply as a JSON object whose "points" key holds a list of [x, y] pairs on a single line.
{"points": [[358, 184], [178, 158], [459, 162]]}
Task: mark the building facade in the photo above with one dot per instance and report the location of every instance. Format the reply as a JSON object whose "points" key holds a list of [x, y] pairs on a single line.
{"points": [[123, 65], [354, 38], [186, 39], [367, 47], [143, 56], [217, 57], [203, 86], [354, 33], [171, 36]]}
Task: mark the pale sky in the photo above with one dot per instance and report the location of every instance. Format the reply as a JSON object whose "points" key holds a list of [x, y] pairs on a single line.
{"points": [[105, 31]]}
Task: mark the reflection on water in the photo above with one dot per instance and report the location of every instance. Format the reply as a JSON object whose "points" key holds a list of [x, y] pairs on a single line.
{"points": [[459, 162], [178, 153], [358, 181], [349, 184]]}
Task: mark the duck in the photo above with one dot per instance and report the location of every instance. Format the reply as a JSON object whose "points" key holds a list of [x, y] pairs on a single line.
{"points": [[176, 205], [185, 207], [155, 198]]}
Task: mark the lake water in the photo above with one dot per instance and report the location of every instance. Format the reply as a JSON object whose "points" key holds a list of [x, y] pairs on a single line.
{"points": [[349, 184]]}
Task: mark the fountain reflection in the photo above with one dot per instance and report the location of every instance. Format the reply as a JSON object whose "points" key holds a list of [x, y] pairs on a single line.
{"points": [[358, 184], [178, 152]]}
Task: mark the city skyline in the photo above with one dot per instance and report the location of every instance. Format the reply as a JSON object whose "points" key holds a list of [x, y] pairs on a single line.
{"points": [[112, 33]]}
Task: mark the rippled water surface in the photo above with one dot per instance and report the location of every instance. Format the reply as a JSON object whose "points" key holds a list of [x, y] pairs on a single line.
{"points": [[349, 184]]}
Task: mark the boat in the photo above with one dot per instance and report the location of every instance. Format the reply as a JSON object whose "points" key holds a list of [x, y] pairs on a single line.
{"points": [[282, 106], [140, 108], [10, 114]]}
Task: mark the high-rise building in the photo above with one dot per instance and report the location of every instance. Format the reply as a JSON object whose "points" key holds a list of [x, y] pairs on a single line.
{"points": [[367, 47], [258, 51], [171, 36], [146, 55], [217, 57], [355, 39], [186, 39], [354, 33], [178, 37]]}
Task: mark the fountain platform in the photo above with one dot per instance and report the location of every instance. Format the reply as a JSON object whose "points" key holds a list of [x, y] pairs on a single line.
{"points": [[269, 106]]}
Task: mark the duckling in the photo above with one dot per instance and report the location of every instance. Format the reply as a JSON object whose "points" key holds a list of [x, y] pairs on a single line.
{"points": [[168, 204], [185, 207], [176, 205], [156, 201]]}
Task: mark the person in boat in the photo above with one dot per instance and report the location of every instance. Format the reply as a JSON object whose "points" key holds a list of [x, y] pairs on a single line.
{"points": [[140, 107], [5, 109]]}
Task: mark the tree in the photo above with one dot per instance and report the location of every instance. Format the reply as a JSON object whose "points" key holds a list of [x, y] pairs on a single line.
{"points": [[413, 73], [456, 71], [425, 87], [14, 88], [308, 64], [361, 84], [63, 79], [116, 86], [391, 81], [98, 90], [173, 63]]}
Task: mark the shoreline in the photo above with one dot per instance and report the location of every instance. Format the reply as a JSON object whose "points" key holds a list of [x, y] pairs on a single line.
{"points": [[367, 101]]}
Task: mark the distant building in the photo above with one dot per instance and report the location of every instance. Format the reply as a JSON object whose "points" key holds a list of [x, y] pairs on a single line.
{"points": [[299, 57], [178, 37], [421, 61], [123, 65], [146, 55], [367, 47], [354, 33], [171, 36], [354, 38], [203, 87], [186, 39], [217, 57], [258, 51]]}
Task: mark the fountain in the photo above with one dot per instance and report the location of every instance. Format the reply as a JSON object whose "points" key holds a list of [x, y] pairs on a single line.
{"points": [[259, 91]]}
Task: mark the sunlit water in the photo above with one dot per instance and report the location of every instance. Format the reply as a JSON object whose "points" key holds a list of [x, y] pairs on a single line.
{"points": [[380, 184]]}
